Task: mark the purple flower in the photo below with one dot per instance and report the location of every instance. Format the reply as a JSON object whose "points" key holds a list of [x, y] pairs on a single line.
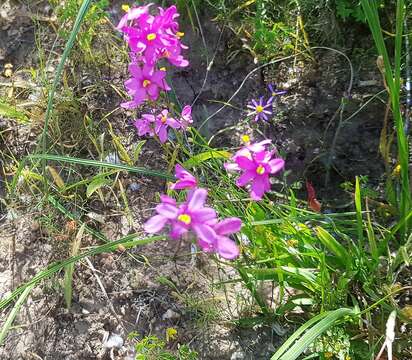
{"points": [[256, 170], [259, 109], [162, 122], [145, 125], [185, 179], [274, 92], [144, 84], [192, 215], [223, 245]]}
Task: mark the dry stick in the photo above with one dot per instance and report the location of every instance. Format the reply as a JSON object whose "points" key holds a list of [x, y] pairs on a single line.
{"points": [[103, 290]]}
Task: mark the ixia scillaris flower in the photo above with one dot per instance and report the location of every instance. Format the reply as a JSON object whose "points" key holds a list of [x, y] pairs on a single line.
{"points": [[256, 165], [152, 124], [260, 109], [185, 180], [194, 217], [144, 84], [162, 122]]}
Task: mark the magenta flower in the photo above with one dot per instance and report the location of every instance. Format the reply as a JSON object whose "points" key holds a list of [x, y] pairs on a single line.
{"points": [[145, 125], [259, 109], [144, 84], [257, 170], [131, 15], [192, 215], [186, 117], [167, 214], [162, 122], [223, 245], [185, 179], [246, 151]]}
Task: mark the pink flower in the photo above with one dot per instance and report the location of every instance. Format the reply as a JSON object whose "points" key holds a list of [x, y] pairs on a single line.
{"points": [[144, 84], [185, 179], [162, 122], [186, 117], [144, 125], [246, 151], [192, 216], [256, 170], [223, 245], [131, 15]]}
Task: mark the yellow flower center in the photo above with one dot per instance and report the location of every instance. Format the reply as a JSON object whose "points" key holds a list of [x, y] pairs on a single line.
{"points": [[260, 170], [259, 109], [180, 34], [162, 69], [125, 7], [245, 138], [185, 218], [146, 83], [163, 119], [151, 36]]}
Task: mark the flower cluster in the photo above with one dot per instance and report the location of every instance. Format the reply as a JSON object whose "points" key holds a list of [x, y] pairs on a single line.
{"points": [[150, 39], [257, 164], [261, 109], [151, 124], [195, 217]]}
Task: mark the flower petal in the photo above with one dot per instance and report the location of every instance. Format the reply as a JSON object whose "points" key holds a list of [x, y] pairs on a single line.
{"points": [[258, 188], [155, 224], [228, 226], [227, 248], [276, 165], [245, 163], [245, 178], [205, 233], [204, 215], [197, 199], [168, 211]]}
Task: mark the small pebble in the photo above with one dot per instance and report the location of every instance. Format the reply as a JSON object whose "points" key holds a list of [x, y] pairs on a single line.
{"points": [[114, 341]]}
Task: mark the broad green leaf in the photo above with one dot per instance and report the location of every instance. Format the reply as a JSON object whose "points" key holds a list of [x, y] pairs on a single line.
{"points": [[311, 330], [332, 245], [96, 184], [202, 157], [12, 113]]}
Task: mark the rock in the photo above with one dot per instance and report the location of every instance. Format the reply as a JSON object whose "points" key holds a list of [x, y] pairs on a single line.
{"points": [[170, 315], [114, 341], [238, 355]]}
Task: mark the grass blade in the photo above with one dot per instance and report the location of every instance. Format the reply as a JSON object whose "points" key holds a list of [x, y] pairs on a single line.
{"points": [[13, 313], [95, 163], [69, 45], [330, 242], [320, 323]]}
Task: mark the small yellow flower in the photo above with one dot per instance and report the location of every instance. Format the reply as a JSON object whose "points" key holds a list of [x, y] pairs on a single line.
{"points": [[396, 171], [245, 138], [125, 7], [171, 334]]}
